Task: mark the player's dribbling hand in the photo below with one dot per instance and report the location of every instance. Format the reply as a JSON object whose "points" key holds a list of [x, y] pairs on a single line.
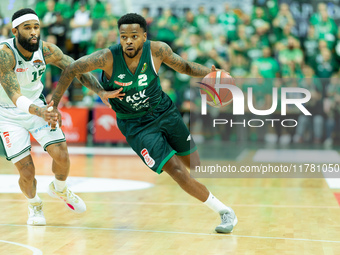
{"points": [[106, 95], [49, 115], [214, 69]]}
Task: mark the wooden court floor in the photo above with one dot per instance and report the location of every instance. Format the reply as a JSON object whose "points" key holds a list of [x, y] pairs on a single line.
{"points": [[276, 216]]}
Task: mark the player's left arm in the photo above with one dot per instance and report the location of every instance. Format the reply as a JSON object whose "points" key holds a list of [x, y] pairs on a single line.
{"points": [[165, 55], [54, 56]]}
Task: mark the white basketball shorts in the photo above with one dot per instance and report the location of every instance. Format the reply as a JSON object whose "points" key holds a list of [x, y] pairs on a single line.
{"points": [[15, 126]]}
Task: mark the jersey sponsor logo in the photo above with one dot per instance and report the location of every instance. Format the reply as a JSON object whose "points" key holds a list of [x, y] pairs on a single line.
{"points": [[138, 100], [147, 158], [40, 128], [121, 76], [124, 84], [37, 63], [145, 66], [7, 140], [21, 70]]}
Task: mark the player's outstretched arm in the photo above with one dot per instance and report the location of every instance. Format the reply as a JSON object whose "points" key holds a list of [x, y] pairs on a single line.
{"points": [[9, 82], [164, 53], [79, 69]]}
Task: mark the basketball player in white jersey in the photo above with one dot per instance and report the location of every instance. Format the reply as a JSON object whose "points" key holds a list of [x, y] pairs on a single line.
{"points": [[23, 110]]}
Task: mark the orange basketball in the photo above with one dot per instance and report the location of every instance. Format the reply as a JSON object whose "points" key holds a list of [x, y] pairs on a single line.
{"points": [[217, 97]]}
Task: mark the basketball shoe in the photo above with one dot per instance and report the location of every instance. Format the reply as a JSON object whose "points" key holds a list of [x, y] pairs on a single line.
{"points": [[72, 201], [229, 221], [36, 215]]}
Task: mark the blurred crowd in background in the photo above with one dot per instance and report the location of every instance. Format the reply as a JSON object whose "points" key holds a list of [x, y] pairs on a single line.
{"points": [[259, 49]]}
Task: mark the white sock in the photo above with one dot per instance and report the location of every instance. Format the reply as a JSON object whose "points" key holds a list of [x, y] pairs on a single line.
{"points": [[214, 204], [59, 185], [36, 199]]}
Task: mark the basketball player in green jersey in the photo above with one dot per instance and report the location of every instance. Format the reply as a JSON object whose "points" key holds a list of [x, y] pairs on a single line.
{"points": [[147, 117]]}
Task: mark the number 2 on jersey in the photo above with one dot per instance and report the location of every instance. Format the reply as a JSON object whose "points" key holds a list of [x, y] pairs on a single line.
{"points": [[142, 80]]}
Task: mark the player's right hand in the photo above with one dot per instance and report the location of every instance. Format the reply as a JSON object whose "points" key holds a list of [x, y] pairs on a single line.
{"points": [[49, 115]]}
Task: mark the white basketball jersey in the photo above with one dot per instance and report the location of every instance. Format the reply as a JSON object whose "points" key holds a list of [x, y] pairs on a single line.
{"points": [[28, 73]]}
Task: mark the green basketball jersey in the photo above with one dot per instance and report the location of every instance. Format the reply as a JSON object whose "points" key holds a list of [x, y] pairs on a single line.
{"points": [[142, 90]]}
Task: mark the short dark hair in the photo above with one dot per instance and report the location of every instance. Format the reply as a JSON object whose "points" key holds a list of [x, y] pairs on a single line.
{"points": [[22, 12], [132, 18]]}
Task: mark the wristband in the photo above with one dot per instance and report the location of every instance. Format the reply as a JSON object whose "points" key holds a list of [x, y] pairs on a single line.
{"points": [[23, 103]]}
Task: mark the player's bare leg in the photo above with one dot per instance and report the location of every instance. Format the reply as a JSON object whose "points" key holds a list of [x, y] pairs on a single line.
{"points": [[176, 168], [61, 168], [28, 186], [27, 181], [61, 160]]}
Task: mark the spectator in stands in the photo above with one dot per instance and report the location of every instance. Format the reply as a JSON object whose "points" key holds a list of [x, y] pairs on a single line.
{"points": [[239, 66], [195, 53], [241, 45], [337, 46], [248, 27], [59, 30], [168, 89], [112, 38], [283, 19], [291, 58], [230, 21], [311, 126], [81, 30], [104, 27], [255, 47], [4, 33], [310, 45], [167, 26], [98, 11], [208, 43], [332, 109], [50, 16], [273, 9], [267, 66], [216, 29], [259, 21], [325, 65], [316, 17], [326, 29], [149, 21], [222, 48], [189, 23], [201, 19]]}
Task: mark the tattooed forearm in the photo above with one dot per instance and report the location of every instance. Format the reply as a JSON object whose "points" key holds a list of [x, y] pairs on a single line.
{"points": [[197, 70], [80, 69], [36, 110], [8, 79], [90, 82]]}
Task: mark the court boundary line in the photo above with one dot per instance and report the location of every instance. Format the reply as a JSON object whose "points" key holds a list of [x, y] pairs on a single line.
{"points": [[35, 251], [181, 233], [187, 204]]}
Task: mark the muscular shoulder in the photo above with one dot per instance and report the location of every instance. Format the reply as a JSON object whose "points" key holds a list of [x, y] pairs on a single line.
{"points": [[51, 52], [160, 50], [7, 59]]}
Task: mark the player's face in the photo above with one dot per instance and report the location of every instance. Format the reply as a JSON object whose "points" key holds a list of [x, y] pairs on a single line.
{"points": [[132, 38], [28, 34]]}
